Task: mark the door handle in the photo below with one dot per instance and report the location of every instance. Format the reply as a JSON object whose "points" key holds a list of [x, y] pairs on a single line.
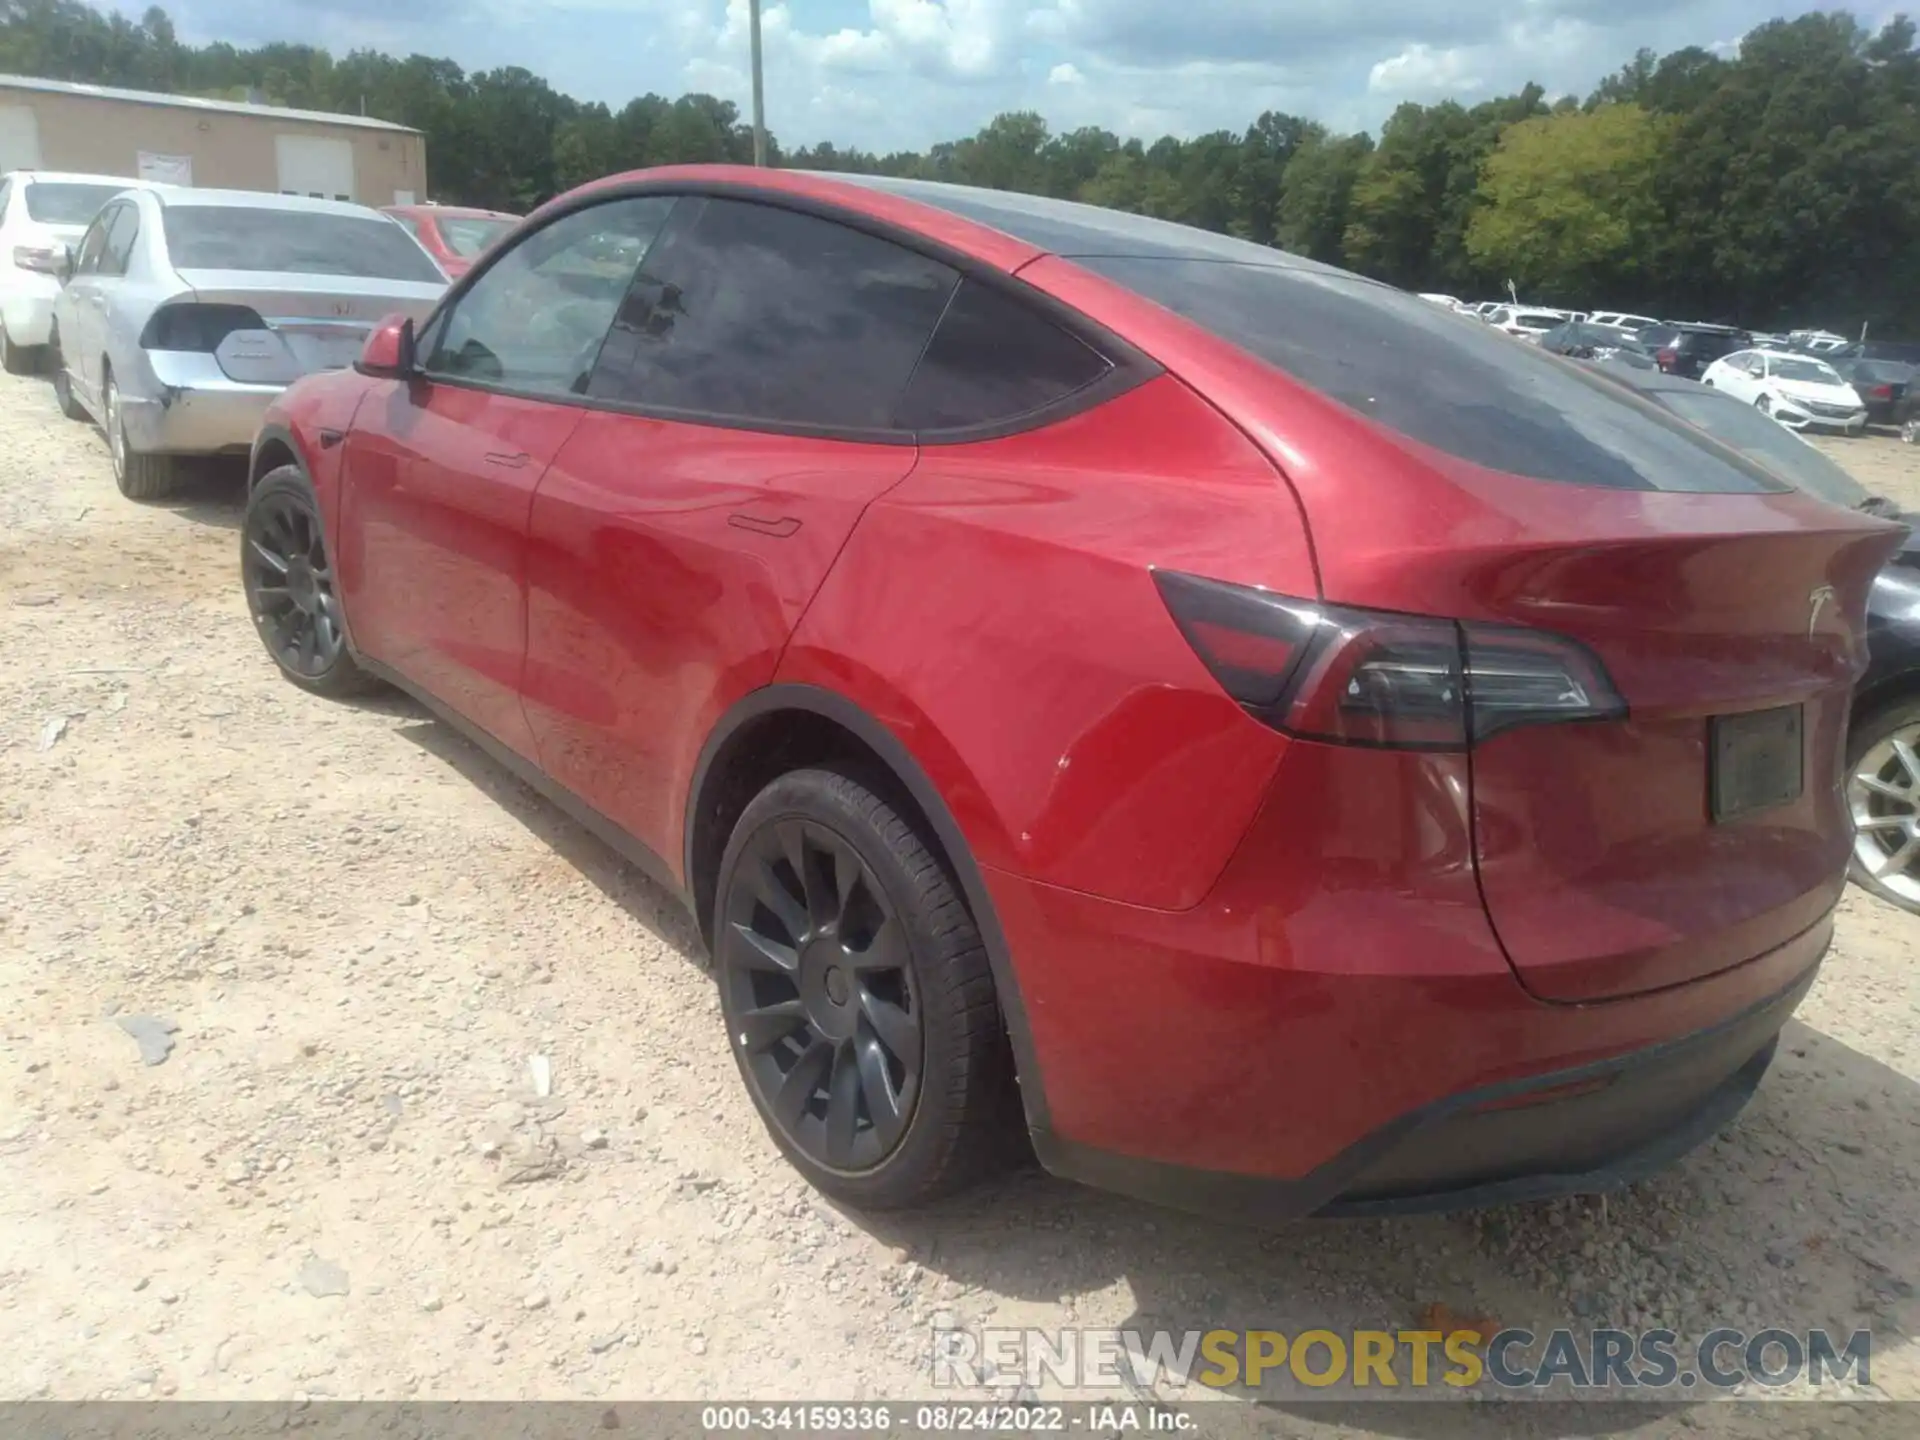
{"points": [[508, 460]]}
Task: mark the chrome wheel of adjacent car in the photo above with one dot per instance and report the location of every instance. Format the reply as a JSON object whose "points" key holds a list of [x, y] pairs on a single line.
{"points": [[1910, 432], [1883, 791]]}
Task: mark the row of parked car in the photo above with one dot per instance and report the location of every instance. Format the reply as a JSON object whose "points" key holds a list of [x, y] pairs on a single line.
{"points": [[1805, 379], [173, 316]]}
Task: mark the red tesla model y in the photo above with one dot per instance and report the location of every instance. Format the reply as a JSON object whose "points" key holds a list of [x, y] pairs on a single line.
{"points": [[1287, 748]]}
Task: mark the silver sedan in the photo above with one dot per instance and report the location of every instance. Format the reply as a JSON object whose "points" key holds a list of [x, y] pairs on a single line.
{"points": [[184, 312]]}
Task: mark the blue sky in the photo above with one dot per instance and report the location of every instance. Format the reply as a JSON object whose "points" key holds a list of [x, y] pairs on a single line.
{"points": [[888, 74]]}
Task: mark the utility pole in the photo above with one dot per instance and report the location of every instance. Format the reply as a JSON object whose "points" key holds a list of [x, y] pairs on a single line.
{"points": [[759, 99]]}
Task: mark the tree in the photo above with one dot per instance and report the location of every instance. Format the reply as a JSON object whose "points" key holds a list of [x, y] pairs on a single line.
{"points": [[1568, 206], [1311, 218]]}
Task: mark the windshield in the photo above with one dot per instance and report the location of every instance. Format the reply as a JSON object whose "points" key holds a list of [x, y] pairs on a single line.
{"points": [[1462, 389], [56, 202], [1539, 322], [1809, 370], [468, 235], [1765, 441], [300, 242]]}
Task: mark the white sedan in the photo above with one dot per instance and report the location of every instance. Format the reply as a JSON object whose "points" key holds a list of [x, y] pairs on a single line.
{"points": [[1797, 390]]}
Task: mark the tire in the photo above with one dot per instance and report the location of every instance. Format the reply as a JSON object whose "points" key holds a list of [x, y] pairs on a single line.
{"points": [[1764, 406], [288, 579], [13, 359], [1873, 753], [63, 382], [901, 905], [1910, 431], [139, 476]]}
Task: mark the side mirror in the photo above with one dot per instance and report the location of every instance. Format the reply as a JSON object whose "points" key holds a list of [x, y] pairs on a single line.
{"points": [[389, 351]]}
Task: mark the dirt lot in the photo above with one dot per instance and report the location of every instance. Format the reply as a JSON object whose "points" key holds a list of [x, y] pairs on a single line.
{"points": [[363, 930]]}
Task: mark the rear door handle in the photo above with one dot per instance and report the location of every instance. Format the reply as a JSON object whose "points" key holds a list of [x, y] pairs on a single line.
{"points": [[508, 460]]}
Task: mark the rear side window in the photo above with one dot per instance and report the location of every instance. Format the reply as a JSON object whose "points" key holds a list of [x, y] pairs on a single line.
{"points": [[993, 360], [1471, 393], [750, 312], [299, 242], [122, 228]]}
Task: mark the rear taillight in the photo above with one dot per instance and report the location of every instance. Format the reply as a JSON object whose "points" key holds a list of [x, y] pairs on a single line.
{"points": [[1883, 392], [1370, 677], [187, 325], [1665, 358], [38, 258]]}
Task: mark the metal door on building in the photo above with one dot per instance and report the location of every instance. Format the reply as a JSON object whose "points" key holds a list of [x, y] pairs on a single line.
{"points": [[19, 138], [315, 165]]}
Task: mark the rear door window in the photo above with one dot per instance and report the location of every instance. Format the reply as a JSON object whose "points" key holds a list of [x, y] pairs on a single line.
{"points": [[752, 313], [1468, 392], [992, 361]]}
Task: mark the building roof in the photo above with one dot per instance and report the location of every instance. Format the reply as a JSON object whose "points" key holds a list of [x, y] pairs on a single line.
{"points": [[194, 102]]}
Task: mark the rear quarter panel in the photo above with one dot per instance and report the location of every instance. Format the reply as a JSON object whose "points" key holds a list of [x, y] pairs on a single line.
{"points": [[997, 611]]}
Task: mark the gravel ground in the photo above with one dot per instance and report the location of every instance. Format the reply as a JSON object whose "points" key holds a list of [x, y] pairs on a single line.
{"points": [[342, 1181]]}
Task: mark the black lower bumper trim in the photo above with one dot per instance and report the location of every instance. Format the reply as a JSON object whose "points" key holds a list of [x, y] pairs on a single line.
{"points": [[1579, 1131]]}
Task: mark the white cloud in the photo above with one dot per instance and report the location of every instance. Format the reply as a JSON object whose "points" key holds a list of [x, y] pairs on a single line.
{"points": [[1066, 73], [1420, 72]]}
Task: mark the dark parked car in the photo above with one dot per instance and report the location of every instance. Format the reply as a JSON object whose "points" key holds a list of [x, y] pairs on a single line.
{"points": [[1883, 742], [1583, 340], [1883, 384], [1905, 351], [1687, 349], [1260, 714]]}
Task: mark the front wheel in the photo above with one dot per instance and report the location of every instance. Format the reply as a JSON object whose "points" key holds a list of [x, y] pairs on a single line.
{"points": [[1910, 431], [1764, 406], [290, 588], [858, 1000], [1883, 792]]}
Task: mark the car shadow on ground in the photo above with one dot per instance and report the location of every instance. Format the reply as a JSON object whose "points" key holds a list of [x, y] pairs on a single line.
{"points": [[645, 901], [1744, 1219], [210, 491]]}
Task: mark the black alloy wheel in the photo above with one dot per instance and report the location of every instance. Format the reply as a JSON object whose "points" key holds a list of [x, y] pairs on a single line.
{"points": [[290, 588], [820, 996], [859, 1001]]}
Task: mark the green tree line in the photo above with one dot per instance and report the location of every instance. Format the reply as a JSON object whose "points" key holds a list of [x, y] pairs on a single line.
{"points": [[1777, 186]]}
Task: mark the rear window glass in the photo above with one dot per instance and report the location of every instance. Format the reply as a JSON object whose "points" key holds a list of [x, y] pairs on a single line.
{"points": [[467, 236], [1469, 392], [1771, 444], [54, 202], [299, 242]]}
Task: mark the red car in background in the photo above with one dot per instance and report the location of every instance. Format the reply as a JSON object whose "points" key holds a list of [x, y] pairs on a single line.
{"points": [[1296, 751], [454, 235]]}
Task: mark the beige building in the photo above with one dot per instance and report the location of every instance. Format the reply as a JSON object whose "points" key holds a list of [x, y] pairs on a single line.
{"points": [[223, 144]]}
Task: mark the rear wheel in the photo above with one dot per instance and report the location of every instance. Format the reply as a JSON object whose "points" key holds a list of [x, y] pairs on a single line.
{"points": [[139, 476], [1910, 431], [290, 588], [1883, 791], [62, 382], [858, 1000]]}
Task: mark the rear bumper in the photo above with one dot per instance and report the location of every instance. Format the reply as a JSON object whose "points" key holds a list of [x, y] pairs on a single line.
{"points": [[192, 408], [29, 315], [1336, 1022], [1582, 1130]]}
